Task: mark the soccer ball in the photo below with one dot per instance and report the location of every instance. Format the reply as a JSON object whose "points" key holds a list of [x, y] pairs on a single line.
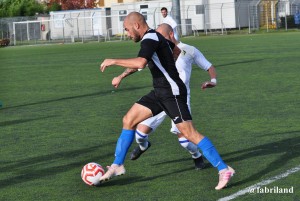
{"points": [[91, 173]]}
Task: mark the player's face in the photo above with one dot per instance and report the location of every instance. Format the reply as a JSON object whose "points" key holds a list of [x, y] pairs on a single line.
{"points": [[164, 13], [132, 33]]}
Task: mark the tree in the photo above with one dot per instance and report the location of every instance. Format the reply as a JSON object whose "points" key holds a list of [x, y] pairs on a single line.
{"points": [[12, 8], [54, 6], [73, 4]]}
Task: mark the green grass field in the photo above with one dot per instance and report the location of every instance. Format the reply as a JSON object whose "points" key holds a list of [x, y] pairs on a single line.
{"points": [[60, 112]]}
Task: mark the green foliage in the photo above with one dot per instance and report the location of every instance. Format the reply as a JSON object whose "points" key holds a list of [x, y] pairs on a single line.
{"points": [[13, 8], [54, 7]]}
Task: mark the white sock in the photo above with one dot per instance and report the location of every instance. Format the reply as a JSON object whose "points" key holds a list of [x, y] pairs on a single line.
{"points": [[190, 147], [142, 139]]}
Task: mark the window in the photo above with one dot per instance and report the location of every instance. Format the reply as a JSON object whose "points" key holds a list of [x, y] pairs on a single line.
{"points": [[122, 14], [143, 10], [199, 9], [143, 6], [144, 13]]}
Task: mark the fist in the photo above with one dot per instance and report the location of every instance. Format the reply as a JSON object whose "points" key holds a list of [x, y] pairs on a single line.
{"points": [[208, 85]]}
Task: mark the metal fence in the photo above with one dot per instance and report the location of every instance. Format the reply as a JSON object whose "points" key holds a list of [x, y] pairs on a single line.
{"points": [[6, 26], [196, 20], [272, 15]]}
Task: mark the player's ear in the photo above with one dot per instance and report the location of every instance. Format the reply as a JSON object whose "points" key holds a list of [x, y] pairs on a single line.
{"points": [[136, 25], [171, 34]]}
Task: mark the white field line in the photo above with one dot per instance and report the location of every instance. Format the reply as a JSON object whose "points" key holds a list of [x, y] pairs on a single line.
{"points": [[258, 185]]}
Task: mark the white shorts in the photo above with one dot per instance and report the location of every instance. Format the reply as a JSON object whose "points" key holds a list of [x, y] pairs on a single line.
{"points": [[155, 121]]}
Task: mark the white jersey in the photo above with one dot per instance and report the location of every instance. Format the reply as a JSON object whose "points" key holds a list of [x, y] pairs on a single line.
{"points": [[189, 55], [170, 21]]}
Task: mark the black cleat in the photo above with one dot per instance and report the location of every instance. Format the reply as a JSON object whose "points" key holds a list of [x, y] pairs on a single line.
{"points": [[137, 152], [199, 163]]}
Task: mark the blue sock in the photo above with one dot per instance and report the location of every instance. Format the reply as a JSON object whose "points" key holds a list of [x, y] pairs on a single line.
{"points": [[211, 153], [123, 144]]}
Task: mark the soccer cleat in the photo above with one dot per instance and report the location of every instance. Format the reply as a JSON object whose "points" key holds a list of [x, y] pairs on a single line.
{"points": [[199, 163], [137, 152], [224, 177], [113, 171]]}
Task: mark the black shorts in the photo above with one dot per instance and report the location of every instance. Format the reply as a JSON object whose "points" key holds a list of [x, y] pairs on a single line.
{"points": [[175, 106]]}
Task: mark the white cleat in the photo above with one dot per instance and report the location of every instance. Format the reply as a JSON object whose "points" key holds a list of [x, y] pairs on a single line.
{"points": [[113, 171], [224, 177]]}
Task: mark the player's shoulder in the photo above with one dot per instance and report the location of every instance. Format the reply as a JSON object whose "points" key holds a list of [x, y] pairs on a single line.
{"points": [[187, 48], [181, 44], [151, 34]]}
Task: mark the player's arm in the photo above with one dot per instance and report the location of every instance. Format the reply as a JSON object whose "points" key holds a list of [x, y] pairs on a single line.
{"points": [[117, 80], [134, 63], [203, 63], [213, 78]]}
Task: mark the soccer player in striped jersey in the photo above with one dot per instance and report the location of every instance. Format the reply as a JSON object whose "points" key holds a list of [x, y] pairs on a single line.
{"points": [[169, 95], [189, 55]]}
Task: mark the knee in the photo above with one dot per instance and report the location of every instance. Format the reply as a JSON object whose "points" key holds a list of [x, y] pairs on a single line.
{"points": [[128, 123], [144, 129], [184, 131]]}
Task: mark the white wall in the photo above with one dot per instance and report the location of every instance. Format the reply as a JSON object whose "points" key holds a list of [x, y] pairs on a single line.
{"points": [[75, 23], [218, 13]]}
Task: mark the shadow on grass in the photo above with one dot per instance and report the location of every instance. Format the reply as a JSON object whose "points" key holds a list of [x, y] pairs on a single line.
{"points": [[240, 62], [174, 161], [103, 93], [20, 121], [45, 165], [123, 180], [288, 148]]}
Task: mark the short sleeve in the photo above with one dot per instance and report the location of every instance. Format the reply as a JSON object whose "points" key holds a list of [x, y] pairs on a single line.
{"points": [[148, 47], [200, 60]]}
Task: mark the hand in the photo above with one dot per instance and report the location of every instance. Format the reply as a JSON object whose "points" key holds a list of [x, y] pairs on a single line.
{"points": [[106, 63], [116, 82], [208, 85]]}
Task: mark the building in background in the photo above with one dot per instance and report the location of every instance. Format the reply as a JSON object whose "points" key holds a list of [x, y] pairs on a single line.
{"points": [[106, 21], [109, 3]]}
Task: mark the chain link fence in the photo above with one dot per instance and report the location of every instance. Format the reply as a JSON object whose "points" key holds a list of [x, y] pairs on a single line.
{"points": [[6, 26], [247, 16], [273, 15]]}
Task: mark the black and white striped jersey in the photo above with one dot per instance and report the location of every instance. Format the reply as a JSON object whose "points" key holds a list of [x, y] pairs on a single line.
{"points": [[157, 50]]}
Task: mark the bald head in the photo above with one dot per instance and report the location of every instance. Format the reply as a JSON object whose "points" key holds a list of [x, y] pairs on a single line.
{"points": [[166, 31], [135, 17], [135, 25]]}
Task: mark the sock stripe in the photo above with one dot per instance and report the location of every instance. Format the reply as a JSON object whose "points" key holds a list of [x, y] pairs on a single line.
{"points": [[183, 141], [140, 134]]}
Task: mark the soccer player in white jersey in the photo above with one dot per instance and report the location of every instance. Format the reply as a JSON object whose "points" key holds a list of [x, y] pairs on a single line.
{"points": [[167, 19], [189, 55], [169, 94]]}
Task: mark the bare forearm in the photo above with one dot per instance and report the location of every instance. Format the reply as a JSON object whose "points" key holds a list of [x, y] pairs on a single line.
{"points": [[134, 63], [213, 79], [117, 80], [212, 72], [127, 72]]}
